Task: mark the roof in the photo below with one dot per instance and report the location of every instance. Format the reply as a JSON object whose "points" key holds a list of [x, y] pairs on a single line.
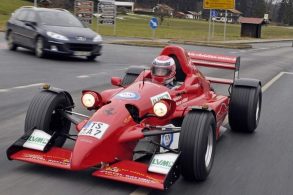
{"points": [[251, 20], [43, 9], [234, 11]]}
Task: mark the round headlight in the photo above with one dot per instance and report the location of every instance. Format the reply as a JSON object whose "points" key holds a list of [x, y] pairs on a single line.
{"points": [[160, 109], [88, 100]]}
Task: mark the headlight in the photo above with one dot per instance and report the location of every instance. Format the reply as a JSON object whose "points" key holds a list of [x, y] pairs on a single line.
{"points": [[88, 100], [160, 109], [91, 99], [98, 38], [57, 36]]}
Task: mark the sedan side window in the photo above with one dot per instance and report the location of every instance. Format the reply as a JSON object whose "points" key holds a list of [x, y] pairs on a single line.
{"points": [[31, 16], [22, 15]]}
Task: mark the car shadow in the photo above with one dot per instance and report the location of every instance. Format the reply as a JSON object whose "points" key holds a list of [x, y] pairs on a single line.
{"points": [[56, 57]]}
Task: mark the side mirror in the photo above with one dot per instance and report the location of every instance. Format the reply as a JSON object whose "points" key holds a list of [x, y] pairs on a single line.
{"points": [[31, 24], [116, 81]]}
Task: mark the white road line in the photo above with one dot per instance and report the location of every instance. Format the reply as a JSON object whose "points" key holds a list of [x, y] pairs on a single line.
{"points": [[21, 87], [264, 88], [100, 73]]}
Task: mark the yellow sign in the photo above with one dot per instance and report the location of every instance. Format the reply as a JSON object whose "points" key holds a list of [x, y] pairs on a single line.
{"points": [[219, 4]]}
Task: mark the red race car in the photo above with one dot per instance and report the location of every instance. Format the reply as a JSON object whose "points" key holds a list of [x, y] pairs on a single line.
{"points": [[176, 128]]}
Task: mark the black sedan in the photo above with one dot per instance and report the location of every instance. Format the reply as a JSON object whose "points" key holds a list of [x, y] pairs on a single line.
{"points": [[51, 31]]}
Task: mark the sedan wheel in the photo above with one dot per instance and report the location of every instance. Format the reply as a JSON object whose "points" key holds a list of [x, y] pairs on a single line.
{"points": [[10, 42], [39, 48]]}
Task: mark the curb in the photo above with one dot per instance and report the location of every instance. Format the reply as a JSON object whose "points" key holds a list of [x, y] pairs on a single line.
{"points": [[140, 43], [159, 44], [219, 45]]}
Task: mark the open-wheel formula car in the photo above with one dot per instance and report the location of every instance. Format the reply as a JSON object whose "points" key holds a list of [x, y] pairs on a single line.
{"points": [[179, 126]]}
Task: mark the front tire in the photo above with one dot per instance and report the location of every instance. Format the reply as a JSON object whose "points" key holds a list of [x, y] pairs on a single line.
{"points": [[245, 108], [10, 42], [43, 114], [197, 145], [91, 58], [39, 47]]}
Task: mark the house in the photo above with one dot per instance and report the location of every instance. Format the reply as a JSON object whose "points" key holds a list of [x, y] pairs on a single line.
{"points": [[251, 27]]}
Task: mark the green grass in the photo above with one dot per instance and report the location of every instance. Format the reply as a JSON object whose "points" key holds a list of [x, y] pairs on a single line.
{"points": [[7, 7], [180, 29], [175, 29]]}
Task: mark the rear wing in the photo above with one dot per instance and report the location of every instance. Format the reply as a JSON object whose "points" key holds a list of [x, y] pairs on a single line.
{"points": [[217, 61]]}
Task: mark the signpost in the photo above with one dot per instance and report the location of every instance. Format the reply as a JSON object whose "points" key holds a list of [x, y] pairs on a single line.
{"points": [[154, 23], [84, 11], [107, 13], [218, 4], [214, 15]]}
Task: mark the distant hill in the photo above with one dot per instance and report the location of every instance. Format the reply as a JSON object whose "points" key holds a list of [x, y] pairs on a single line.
{"points": [[8, 6]]}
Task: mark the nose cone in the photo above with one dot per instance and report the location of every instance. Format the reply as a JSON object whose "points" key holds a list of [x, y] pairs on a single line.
{"points": [[83, 150]]}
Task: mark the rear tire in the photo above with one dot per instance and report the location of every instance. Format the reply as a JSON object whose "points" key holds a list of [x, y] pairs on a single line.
{"points": [[197, 145], [245, 108], [131, 75], [42, 115], [10, 42]]}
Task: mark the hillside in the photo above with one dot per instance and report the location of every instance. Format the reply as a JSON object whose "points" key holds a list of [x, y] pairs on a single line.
{"points": [[7, 7]]}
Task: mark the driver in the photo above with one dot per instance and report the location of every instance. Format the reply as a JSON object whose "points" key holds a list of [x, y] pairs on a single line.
{"points": [[163, 71]]}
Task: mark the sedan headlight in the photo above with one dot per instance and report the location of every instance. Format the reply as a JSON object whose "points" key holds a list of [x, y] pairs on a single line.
{"points": [[98, 39], [57, 36]]}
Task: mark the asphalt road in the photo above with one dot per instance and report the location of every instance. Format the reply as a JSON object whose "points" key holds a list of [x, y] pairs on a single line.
{"points": [[244, 164]]}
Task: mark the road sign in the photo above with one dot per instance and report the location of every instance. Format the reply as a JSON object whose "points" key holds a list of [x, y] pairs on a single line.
{"points": [[107, 12], [84, 10], [214, 13], [219, 4], [154, 23]]}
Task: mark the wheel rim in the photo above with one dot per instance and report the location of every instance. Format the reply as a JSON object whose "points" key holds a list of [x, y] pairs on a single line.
{"points": [[257, 111], [39, 47], [209, 150], [10, 41]]}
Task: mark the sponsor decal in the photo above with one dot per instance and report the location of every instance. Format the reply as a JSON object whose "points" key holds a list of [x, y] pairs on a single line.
{"points": [[128, 96], [115, 173], [167, 140], [37, 140], [181, 101], [109, 111], [94, 129], [214, 57], [127, 119], [162, 163], [157, 98], [177, 98]]}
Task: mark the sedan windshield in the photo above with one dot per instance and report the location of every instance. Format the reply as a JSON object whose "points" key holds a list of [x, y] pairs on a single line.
{"points": [[59, 18]]}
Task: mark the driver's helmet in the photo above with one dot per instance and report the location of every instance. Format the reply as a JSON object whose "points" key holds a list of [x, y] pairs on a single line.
{"points": [[163, 69]]}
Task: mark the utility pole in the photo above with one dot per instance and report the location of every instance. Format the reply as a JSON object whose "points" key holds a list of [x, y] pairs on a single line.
{"points": [[35, 3]]}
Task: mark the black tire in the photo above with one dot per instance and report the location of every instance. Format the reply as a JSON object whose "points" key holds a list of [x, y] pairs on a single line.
{"points": [[198, 129], [131, 75], [42, 115], [10, 42], [39, 47], [245, 108], [91, 58]]}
